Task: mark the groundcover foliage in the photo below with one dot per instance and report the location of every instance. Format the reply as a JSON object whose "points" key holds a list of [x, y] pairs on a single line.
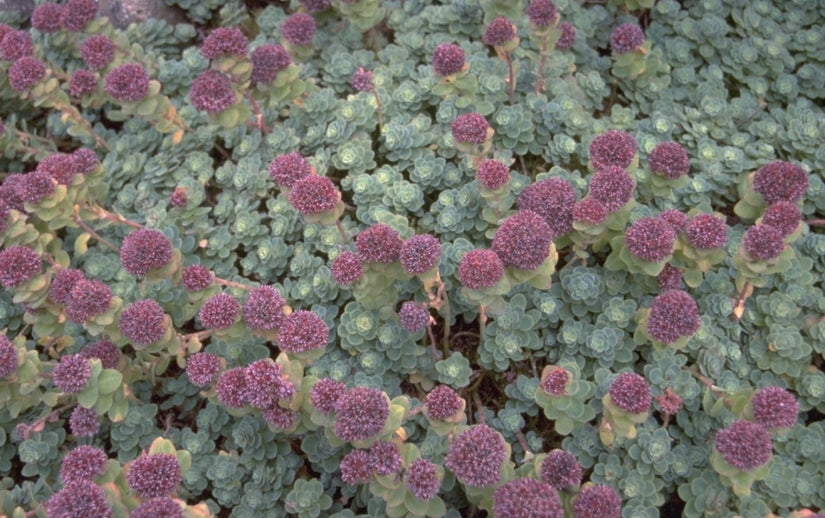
{"points": [[408, 258]]}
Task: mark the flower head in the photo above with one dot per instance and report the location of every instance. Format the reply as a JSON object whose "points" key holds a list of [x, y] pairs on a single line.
{"points": [[542, 13], [527, 498], [178, 198], [470, 127], [299, 28], [706, 232], [314, 194], [202, 367], [302, 331], [128, 83], [744, 445], [316, 6], [650, 239], [224, 40], [360, 413], [325, 393], [613, 148], [361, 80], [780, 181], [414, 316], [442, 402], [673, 314], [554, 381], [553, 199], [669, 402], [356, 467], [476, 455], [83, 422], [669, 159], [631, 393], [196, 277], [599, 501], [774, 407], [289, 168], [77, 13], [676, 219], [492, 174], [448, 59], [670, 278], [267, 61], [71, 373], [385, 458], [82, 463], [18, 264], [161, 507], [626, 38], [154, 475], [590, 210], [612, 186], [346, 268], [47, 17], [107, 352], [422, 479], [97, 51], [764, 242], [561, 470], [143, 322], [15, 45], [280, 417], [81, 498], [784, 216], [36, 186], [25, 73], [212, 92], [265, 384], [8, 357], [568, 36], [219, 311], [480, 268], [87, 299], [231, 387], [420, 254], [523, 240], [500, 32], [144, 250], [379, 243], [264, 309], [82, 83]]}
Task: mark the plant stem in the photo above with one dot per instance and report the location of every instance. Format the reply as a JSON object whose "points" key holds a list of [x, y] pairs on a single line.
{"points": [[103, 241]]}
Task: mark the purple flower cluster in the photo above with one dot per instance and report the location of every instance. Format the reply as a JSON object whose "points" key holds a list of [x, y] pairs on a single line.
{"points": [[83, 422], [492, 174], [63, 167], [568, 36], [673, 314], [161, 507], [414, 316], [442, 402], [81, 498], [706, 232], [650, 239], [631, 393], [299, 28], [279, 416], [265, 384], [542, 13], [523, 240], [561, 470], [178, 198], [15, 45], [361, 80], [470, 128], [422, 479], [385, 458], [669, 159], [224, 40], [71, 374], [612, 186], [82, 463], [420, 253], [554, 381], [87, 299], [325, 393], [553, 199], [35, 186], [744, 445], [599, 501], [97, 51], [360, 413], [476, 455], [626, 38], [212, 92], [613, 148], [8, 357], [47, 17], [77, 13], [314, 194], [219, 311], [669, 402], [202, 367], [346, 268], [196, 277], [289, 168], [780, 181], [480, 268], [670, 278], [82, 83], [774, 407], [18, 264], [523, 497], [316, 6], [104, 350], [764, 242], [499, 32], [448, 59], [785, 216], [231, 387], [264, 309], [379, 243], [128, 83], [267, 61], [154, 475], [302, 331], [590, 210], [25, 73], [356, 467], [676, 219], [143, 322], [144, 250]]}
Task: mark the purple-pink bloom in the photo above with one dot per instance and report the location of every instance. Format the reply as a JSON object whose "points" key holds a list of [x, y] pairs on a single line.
{"points": [[212, 92], [599, 501], [265, 384], [492, 174], [420, 253], [128, 83], [82, 83], [77, 13], [669, 159], [47, 17], [160, 507], [626, 38], [299, 28], [264, 309], [83, 422], [422, 479], [469, 128], [448, 59], [71, 373], [631, 393], [523, 240], [590, 210], [612, 148], [25, 73], [346, 268], [196, 277], [673, 314], [542, 13], [764, 242], [81, 498], [476, 455], [385, 458], [267, 61], [499, 32], [676, 219], [554, 381], [314, 194], [97, 51], [780, 181], [480, 268], [104, 350], [18, 264], [568, 36], [360, 413], [224, 40], [144, 250], [670, 278], [744, 445], [154, 475], [219, 311], [379, 243], [356, 468], [414, 316], [785, 216], [527, 497], [82, 463], [325, 393], [774, 407], [361, 80], [231, 387], [650, 239], [442, 402], [8, 357], [612, 186], [15, 45], [202, 367], [35, 186], [706, 232], [302, 331], [143, 322], [561, 470], [88, 297], [553, 199], [289, 168]]}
